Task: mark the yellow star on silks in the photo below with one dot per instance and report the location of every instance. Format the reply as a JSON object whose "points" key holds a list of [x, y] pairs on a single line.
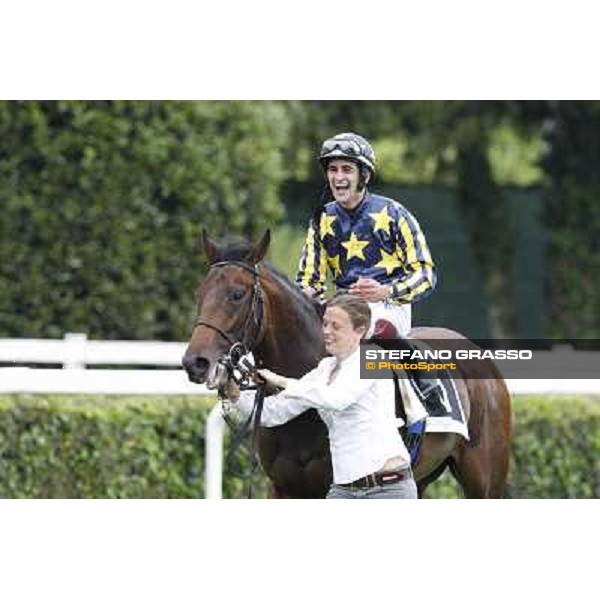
{"points": [[388, 262], [382, 220], [334, 264], [327, 225], [355, 247]]}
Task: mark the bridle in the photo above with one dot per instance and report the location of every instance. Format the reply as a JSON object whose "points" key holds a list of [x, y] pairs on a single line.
{"points": [[254, 318], [233, 361]]}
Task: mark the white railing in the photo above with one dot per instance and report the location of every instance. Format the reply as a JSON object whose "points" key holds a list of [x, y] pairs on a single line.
{"points": [[75, 352], [72, 354]]}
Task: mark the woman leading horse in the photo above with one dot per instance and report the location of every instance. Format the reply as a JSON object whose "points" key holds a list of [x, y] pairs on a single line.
{"points": [[369, 458], [244, 300]]}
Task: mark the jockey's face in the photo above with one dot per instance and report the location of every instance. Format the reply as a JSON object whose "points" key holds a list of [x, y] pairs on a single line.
{"points": [[341, 338], [343, 177]]}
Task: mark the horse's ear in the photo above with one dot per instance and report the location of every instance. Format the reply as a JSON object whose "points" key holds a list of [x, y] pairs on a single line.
{"points": [[210, 248], [258, 252]]}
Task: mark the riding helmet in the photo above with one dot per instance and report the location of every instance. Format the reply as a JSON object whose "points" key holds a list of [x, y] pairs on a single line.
{"points": [[348, 145]]}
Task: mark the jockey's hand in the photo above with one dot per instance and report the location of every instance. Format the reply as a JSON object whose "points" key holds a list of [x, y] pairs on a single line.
{"points": [[271, 378], [370, 290]]}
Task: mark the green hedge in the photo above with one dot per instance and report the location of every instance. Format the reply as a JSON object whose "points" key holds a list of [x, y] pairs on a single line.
{"points": [[105, 447], [103, 204], [556, 450], [153, 447]]}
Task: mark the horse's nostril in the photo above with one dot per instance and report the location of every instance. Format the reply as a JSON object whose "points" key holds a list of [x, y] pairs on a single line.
{"points": [[196, 366], [201, 364]]}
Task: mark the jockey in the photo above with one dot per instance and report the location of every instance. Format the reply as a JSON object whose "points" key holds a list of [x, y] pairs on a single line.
{"points": [[373, 246]]}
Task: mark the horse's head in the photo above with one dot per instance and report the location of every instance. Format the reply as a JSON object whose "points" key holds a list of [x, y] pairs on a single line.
{"points": [[230, 309]]}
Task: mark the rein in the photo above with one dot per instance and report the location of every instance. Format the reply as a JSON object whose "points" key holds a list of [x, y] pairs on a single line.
{"points": [[239, 435], [240, 367]]}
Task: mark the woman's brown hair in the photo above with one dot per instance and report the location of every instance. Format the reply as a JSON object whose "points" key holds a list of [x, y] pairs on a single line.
{"points": [[357, 309]]}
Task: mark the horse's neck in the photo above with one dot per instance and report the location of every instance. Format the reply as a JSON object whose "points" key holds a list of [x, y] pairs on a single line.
{"points": [[293, 342]]}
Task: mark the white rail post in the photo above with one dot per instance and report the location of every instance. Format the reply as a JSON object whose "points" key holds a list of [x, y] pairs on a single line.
{"points": [[75, 350], [213, 444]]}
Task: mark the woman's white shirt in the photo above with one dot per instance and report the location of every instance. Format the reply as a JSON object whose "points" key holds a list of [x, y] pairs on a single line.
{"points": [[359, 414]]}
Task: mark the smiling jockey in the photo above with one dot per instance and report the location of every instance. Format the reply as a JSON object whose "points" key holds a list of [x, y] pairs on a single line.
{"points": [[372, 245]]}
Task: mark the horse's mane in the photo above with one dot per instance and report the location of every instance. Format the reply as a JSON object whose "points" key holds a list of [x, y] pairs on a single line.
{"points": [[304, 301], [235, 249]]}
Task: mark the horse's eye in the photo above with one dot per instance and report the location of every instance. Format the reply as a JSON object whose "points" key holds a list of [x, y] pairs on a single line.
{"points": [[235, 295]]}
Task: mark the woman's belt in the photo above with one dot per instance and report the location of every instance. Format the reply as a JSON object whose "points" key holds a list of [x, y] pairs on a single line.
{"points": [[381, 478]]}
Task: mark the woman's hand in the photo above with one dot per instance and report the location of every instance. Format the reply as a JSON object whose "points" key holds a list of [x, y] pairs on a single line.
{"points": [[272, 378], [231, 390]]}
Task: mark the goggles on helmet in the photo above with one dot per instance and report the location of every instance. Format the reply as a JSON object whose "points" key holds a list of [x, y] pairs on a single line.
{"points": [[348, 147]]}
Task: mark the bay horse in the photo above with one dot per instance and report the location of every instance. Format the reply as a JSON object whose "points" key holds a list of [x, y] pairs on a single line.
{"points": [[243, 299]]}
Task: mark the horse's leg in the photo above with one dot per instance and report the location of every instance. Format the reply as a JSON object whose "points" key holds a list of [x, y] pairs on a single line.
{"points": [[481, 464], [430, 478], [471, 470], [433, 458]]}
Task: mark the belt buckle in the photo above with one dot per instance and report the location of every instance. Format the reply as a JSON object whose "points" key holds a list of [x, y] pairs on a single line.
{"points": [[392, 477]]}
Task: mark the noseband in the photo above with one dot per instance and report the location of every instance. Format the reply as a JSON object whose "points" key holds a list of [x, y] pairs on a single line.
{"points": [[256, 311]]}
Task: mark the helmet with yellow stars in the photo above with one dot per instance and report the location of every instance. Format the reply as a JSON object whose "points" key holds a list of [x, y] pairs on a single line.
{"points": [[351, 146]]}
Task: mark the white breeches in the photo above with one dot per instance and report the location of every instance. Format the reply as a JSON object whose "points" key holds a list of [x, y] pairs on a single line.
{"points": [[399, 315]]}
